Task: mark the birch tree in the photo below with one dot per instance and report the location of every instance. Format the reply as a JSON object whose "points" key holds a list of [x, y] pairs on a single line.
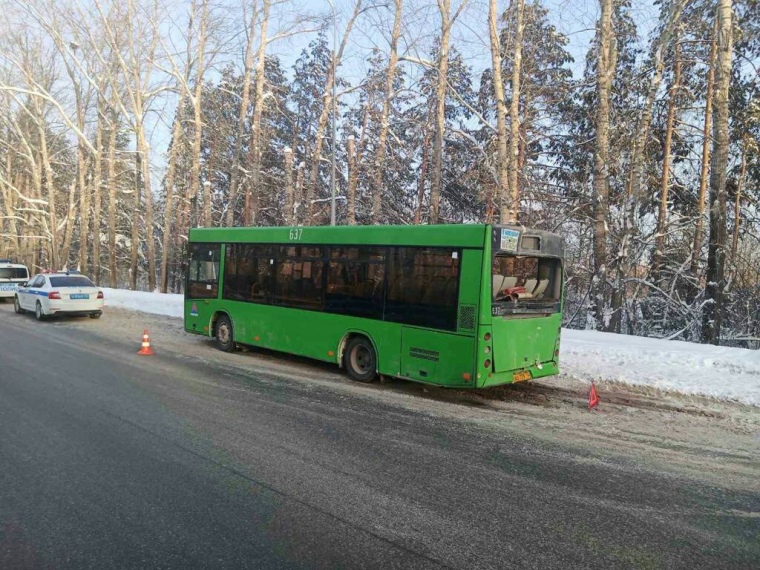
{"points": [[716, 256], [502, 160], [606, 64]]}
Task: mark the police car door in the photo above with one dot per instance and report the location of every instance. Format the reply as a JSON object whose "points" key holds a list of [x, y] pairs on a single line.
{"points": [[26, 295]]}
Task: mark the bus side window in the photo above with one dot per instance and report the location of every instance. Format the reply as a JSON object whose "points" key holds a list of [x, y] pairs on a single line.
{"points": [[248, 273], [356, 281], [299, 280], [203, 273], [423, 284]]}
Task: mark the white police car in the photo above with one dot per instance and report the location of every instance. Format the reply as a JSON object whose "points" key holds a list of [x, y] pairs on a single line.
{"points": [[64, 293], [11, 276]]}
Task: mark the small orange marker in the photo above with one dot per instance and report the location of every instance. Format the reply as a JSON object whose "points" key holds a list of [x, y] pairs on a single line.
{"points": [[593, 397], [145, 350]]}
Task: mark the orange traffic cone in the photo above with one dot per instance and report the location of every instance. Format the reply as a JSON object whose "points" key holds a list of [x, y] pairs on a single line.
{"points": [[593, 397], [145, 350]]}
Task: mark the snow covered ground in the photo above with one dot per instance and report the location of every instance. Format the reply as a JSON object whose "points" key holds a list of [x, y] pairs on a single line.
{"points": [[719, 372]]}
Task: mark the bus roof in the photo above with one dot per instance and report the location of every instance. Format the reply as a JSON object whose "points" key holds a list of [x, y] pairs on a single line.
{"points": [[453, 235]]}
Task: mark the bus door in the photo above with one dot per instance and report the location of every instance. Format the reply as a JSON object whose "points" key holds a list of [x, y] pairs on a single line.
{"points": [[202, 286], [423, 294]]}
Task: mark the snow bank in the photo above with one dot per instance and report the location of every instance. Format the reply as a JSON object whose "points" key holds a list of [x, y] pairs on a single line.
{"points": [[155, 303], [719, 372], [689, 368]]}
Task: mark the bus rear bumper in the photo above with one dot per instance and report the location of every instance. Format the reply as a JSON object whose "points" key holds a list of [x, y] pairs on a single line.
{"points": [[520, 375]]}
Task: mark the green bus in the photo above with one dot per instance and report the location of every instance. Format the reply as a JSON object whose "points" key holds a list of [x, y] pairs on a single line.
{"points": [[452, 305]]}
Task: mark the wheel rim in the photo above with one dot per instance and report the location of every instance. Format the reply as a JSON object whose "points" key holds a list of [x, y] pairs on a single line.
{"points": [[38, 311], [223, 333], [16, 305], [361, 359]]}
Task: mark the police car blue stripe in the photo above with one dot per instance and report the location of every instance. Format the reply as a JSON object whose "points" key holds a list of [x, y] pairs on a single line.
{"points": [[41, 293]]}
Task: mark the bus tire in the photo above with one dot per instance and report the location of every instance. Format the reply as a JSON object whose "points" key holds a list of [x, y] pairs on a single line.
{"points": [[360, 359], [225, 338]]}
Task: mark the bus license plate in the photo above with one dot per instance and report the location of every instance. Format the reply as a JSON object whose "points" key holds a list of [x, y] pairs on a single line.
{"points": [[80, 296], [521, 376]]}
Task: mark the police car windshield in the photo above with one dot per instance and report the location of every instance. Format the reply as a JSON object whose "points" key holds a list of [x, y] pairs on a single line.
{"points": [[71, 281], [13, 273]]}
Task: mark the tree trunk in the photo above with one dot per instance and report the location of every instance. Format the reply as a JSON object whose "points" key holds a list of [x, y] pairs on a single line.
{"points": [[351, 190], [512, 207], [149, 230], [298, 192], [738, 202], [636, 186], [662, 216], [421, 183], [240, 127], [253, 192], [377, 174], [288, 215], [706, 141], [606, 64], [169, 237], [716, 256], [137, 208], [10, 202], [97, 179], [112, 190], [444, 7], [51, 196], [197, 100], [502, 163], [84, 205], [311, 187], [70, 223]]}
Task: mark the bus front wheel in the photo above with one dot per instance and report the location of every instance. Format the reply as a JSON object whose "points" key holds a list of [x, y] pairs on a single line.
{"points": [[225, 339], [360, 359]]}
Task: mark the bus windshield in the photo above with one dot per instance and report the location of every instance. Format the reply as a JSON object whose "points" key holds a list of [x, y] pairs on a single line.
{"points": [[526, 284]]}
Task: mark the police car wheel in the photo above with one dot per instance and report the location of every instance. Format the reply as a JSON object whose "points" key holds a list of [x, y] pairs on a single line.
{"points": [[39, 315], [17, 306]]}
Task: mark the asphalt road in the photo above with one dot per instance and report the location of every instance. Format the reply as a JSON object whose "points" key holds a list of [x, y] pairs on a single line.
{"points": [[110, 460]]}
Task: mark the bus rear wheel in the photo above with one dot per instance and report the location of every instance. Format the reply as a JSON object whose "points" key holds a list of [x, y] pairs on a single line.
{"points": [[225, 339], [360, 359]]}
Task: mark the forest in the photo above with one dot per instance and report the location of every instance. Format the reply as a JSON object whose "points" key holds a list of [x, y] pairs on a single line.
{"points": [[630, 127]]}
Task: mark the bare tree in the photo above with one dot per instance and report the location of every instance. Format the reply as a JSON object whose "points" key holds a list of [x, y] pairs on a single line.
{"points": [[244, 103], [706, 141], [502, 161], [606, 64], [745, 146], [252, 191], [636, 181], [288, 214], [135, 52], [662, 214], [716, 256], [324, 115], [377, 174], [509, 211], [196, 99]]}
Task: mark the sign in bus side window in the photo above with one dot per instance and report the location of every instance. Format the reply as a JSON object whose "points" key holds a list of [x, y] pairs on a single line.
{"points": [[295, 234]]}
